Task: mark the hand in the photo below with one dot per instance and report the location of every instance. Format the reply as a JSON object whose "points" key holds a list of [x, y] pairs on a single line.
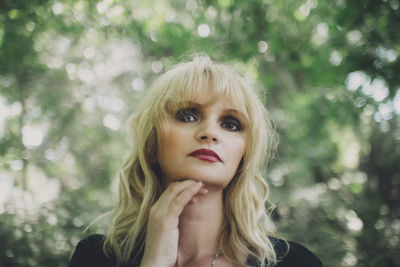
{"points": [[162, 235]]}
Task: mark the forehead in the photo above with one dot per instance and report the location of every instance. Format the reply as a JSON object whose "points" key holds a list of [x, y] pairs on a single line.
{"points": [[207, 93], [208, 96]]}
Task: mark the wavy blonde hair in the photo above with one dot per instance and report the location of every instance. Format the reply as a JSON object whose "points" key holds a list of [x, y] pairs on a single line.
{"points": [[247, 226]]}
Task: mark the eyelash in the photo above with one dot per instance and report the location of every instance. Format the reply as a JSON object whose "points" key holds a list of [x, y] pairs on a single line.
{"points": [[231, 121], [182, 115], [191, 115]]}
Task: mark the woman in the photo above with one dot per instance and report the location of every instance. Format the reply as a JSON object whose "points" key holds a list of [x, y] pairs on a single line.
{"points": [[191, 193]]}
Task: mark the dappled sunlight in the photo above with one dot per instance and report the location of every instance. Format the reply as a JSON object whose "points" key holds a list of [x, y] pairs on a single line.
{"points": [[349, 148], [6, 187], [7, 111], [112, 122], [262, 46], [378, 90], [396, 102], [349, 259], [57, 8], [138, 84], [321, 34], [156, 67], [203, 30], [350, 219], [304, 10], [353, 221], [42, 188], [73, 73], [354, 37], [311, 194], [32, 135], [334, 184], [335, 58], [277, 175], [388, 55], [357, 79], [39, 190]]}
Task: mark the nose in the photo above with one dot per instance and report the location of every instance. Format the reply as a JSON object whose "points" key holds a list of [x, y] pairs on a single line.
{"points": [[207, 132]]}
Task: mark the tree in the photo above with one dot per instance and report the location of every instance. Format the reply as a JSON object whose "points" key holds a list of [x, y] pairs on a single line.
{"points": [[72, 71]]}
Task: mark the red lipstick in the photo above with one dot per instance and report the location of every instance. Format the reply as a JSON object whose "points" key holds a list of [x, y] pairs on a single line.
{"points": [[206, 154]]}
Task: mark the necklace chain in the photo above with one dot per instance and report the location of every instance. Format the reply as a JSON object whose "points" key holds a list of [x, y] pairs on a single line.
{"points": [[215, 258]]}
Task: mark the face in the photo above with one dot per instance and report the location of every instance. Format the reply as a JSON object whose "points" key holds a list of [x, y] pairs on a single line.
{"points": [[203, 141]]}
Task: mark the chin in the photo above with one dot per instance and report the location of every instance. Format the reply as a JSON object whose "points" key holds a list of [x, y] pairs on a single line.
{"points": [[208, 180]]}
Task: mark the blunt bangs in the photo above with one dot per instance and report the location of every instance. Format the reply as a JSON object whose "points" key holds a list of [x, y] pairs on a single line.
{"points": [[186, 82]]}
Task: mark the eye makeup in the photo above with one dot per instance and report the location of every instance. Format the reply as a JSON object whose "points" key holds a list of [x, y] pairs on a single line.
{"points": [[231, 124], [187, 115], [228, 121]]}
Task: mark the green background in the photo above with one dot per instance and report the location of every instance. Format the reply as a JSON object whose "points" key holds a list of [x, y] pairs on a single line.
{"points": [[72, 71]]}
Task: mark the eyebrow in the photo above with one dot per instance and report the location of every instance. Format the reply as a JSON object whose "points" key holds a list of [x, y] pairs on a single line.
{"points": [[234, 111], [244, 119], [189, 103]]}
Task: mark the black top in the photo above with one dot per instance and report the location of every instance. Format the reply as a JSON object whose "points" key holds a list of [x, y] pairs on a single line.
{"points": [[89, 252]]}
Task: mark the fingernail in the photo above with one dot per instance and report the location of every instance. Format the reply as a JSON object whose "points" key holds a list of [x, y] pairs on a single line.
{"points": [[204, 191]]}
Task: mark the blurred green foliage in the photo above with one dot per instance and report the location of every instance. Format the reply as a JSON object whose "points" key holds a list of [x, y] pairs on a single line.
{"points": [[72, 71]]}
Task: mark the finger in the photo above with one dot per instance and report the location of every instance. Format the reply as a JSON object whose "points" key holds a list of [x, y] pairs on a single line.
{"points": [[179, 203], [174, 189], [203, 191]]}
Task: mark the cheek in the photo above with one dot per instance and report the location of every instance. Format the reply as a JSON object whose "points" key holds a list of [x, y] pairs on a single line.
{"points": [[170, 141], [163, 141], [241, 152], [238, 151]]}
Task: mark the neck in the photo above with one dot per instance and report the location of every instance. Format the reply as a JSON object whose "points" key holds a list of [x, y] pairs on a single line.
{"points": [[200, 227]]}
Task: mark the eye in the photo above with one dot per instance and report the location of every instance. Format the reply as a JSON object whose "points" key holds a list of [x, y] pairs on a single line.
{"points": [[187, 115], [231, 124]]}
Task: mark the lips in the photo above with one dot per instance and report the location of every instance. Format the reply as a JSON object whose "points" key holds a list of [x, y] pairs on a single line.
{"points": [[206, 155]]}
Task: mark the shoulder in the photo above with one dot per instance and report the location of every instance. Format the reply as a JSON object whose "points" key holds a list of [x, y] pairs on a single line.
{"points": [[96, 240], [294, 254], [89, 252]]}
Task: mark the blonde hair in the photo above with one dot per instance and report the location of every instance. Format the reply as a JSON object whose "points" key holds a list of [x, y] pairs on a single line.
{"points": [[247, 226]]}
